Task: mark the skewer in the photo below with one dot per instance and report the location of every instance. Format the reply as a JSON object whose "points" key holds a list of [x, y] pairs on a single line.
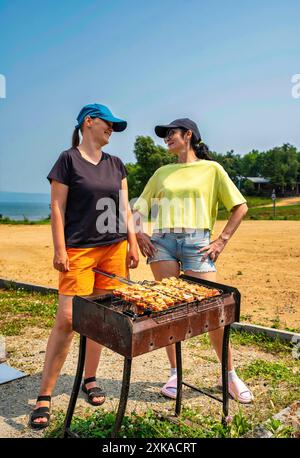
{"points": [[131, 282], [197, 295], [162, 301]]}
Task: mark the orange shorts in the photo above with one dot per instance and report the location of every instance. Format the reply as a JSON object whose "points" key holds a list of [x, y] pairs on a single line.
{"points": [[81, 280]]}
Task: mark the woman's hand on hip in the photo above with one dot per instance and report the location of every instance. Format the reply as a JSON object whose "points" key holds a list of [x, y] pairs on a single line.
{"points": [[146, 246], [132, 257], [213, 250], [61, 261]]}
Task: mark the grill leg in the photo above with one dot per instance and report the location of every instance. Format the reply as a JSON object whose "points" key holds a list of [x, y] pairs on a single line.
{"points": [[179, 378], [123, 397], [76, 386], [225, 372]]}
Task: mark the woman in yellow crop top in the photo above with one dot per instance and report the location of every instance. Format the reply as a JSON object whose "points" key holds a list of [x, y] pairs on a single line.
{"points": [[185, 198]]}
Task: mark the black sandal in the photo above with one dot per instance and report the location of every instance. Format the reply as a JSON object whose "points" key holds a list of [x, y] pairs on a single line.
{"points": [[96, 392], [40, 412]]}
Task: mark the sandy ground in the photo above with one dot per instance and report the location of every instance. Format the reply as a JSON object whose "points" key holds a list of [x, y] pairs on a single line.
{"points": [[262, 260]]}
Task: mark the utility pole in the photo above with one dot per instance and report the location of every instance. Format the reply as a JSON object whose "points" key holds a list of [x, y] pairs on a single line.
{"points": [[273, 197]]}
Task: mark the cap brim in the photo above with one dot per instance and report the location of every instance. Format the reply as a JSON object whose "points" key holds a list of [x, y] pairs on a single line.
{"points": [[118, 124], [161, 131]]}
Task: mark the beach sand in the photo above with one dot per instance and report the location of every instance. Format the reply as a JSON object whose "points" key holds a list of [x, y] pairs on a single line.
{"points": [[262, 260]]}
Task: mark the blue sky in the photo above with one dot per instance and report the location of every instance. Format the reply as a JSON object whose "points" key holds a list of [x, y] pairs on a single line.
{"points": [[227, 65]]}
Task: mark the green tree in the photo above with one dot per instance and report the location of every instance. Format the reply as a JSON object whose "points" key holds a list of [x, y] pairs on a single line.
{"points": [[248, 188], [134, 183], [149, 158], [282, 165], [252, 164], [231, 163]]}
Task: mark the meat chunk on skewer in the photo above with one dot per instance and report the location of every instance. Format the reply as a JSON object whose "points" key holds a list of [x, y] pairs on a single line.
{"points": [[162, 295]]}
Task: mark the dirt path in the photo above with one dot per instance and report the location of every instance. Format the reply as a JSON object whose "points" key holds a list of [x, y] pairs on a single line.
{"points": [[283, 202], [262, 260]]}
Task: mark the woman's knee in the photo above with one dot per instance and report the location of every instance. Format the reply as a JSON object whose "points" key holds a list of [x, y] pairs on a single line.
{"points": [[63, 322]]}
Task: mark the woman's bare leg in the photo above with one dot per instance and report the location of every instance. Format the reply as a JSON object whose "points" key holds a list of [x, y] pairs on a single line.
{"points": [[237, 387], [216, 337], [93, 352], [163, 269], [160, 270], [57, 349]]}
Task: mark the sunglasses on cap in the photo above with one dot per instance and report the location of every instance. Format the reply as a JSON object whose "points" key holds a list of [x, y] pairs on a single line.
{"points": [[170, 134]]}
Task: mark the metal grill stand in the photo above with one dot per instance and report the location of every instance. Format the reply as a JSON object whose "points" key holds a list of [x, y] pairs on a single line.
{"points": [[126, 384], [98, 324]]}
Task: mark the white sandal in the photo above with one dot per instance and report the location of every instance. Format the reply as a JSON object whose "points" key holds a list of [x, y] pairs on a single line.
{"points": [[171, 383], [239, 392]]}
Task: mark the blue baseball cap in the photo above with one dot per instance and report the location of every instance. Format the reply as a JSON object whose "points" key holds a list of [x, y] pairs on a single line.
{"points": [[95, 110]]}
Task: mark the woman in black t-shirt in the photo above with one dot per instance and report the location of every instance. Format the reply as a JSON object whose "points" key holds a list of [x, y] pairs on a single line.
{"points": [[91, 227]]}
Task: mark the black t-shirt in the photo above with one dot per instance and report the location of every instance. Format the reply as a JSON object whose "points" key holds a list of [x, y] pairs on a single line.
{"points": [[92, 216]]}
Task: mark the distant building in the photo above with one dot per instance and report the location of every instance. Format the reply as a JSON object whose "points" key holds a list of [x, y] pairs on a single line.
{"points": [[263, 187], [260, 183]]}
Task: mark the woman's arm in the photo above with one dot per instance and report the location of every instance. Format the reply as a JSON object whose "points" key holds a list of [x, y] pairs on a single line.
{"points": [[59, 194], [132, 254], [145, 245], [214, 249]]}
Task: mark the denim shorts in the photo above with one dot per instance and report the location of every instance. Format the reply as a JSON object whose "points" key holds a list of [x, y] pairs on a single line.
{"points": [[184, 248]]}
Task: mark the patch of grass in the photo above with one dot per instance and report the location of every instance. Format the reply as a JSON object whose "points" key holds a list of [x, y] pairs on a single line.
{"points": [[25, 221], [275, 323], [282, 397], [273, 372], [153, 425], [20, 308], [210, 359], [253, 201], [246, 317], [288, 212], [278, 430], [287, 328], [237, 337], [191, 424], [263, 342], [201, 341]]}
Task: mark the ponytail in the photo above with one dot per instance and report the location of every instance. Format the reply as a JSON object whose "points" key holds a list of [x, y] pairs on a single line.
{"points": [[201, 149], [75, 137]]}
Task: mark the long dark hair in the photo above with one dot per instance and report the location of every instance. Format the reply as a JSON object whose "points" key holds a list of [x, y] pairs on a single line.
{"points": [[75, 137], [201, 149]]}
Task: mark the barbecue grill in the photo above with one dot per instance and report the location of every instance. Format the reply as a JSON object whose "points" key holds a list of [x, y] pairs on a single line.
{"points": [[119, 326]]}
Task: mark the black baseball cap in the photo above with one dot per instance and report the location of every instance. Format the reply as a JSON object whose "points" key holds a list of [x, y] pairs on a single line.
{"points": [[186, 123]]}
